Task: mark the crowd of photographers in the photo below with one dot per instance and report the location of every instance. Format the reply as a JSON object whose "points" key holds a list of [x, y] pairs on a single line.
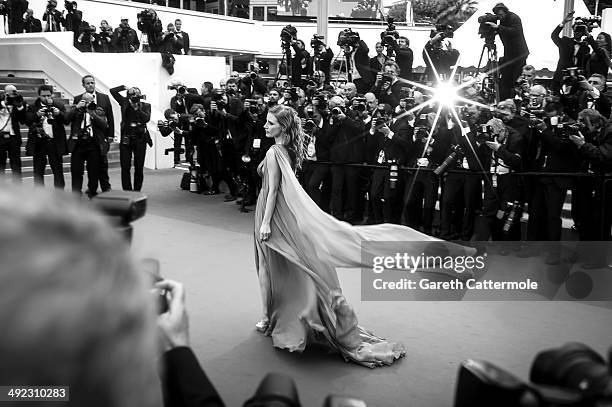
{"points": [[377, 152], [88, 38]]}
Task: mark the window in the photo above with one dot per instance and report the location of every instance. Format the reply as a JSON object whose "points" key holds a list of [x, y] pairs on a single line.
{"points": [[258, 13], [272, 12], [174, 3]]}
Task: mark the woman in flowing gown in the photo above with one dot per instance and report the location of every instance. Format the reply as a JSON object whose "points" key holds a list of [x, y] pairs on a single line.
{"points": [[297, 250]]}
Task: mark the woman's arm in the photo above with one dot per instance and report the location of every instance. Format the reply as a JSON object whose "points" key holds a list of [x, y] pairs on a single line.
{"points": [[274, 178]]}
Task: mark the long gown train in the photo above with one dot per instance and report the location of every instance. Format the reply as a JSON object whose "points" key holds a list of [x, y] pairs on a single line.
{"points": [[296, 266]]}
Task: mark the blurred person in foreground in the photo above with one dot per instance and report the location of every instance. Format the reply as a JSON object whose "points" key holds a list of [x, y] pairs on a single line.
{"points": [[72, 325]]}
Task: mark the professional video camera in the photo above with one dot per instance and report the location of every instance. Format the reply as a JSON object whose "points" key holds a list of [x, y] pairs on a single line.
{"points": [[572, 376], [453, 157], [390, 35], [485, 31], [146, 18], [585, 25], [445, 30], [348, 37], [316, 41], [70, 6], [288, 34]]}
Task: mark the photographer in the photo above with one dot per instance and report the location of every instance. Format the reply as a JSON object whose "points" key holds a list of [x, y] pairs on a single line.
{"points": [[52, 17], [421, 193], [576, 92], [358, 62], [388, 89], [178, 103], [151, 27], [125, 39], [599, 60], [321, 59], [12, 113], [347, 138], [378, 61], [88, 39], [224, 144], [87, 143], [316, 176], [182, 37], [437, 58], [403, 57], [170, 42], [31, 24], [73, 19], [573, 52], [594, 144], [556, 154], [255, 148], [596, 97], [47, 136], [510, 30], [105, 38], [15, 9], [135, 114], [299, 62], [502, 191], [252, 83], [389, 141]]}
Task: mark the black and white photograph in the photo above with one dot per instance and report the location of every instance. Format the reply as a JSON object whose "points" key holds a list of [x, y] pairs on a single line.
{"points": [[305, 203]]}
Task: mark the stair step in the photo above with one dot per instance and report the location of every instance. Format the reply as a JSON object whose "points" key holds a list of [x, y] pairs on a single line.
{"points": [[5, 80]]}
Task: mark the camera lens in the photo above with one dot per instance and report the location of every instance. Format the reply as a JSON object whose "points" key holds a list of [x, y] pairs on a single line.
{"points": [[336, 111]]}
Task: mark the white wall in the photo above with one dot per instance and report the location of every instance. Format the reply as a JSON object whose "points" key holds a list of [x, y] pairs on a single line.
{"points": [[53, 54]]}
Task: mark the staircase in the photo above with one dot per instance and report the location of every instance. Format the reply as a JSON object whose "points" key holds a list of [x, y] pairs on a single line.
{"points": [[28, 88]]}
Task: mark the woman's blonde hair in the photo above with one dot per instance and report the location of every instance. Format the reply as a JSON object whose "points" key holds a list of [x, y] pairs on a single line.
{"points": [[293, 136]]}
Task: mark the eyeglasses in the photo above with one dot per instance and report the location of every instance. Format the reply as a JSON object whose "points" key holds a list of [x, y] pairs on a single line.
{"points": [[594, 83]]}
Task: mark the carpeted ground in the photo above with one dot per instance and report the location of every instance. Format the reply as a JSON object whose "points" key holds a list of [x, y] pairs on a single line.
{"points": [[207, 244]]}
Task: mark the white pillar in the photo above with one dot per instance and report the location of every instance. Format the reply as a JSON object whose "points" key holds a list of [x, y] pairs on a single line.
{"points": [[323, 18], [567, 8]]}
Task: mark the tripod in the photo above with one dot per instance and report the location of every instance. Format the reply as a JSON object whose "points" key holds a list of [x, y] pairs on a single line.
{"points": [[286, 57], [492, 66], [342, 57]]}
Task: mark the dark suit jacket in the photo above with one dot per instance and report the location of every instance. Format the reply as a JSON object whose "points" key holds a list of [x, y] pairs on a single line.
{"points": [[98, 127], [185, 42], [347, 140], [375, 65], [322, 63], [557, 155], [184, 383], [16, 10], [17, 117], [35, 122], [104, 102], [511, 34], [362, 60], [566, 53], [144, 114], [404, 58], [396, 148], [32, 25], [597, 151]]}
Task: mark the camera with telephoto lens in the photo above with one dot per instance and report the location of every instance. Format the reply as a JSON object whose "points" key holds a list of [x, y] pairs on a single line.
{"points": [[445, 31], [359, 104], [348, 37], [379, 116], [564, 130], [320, 101], [292, 93], [316, 42], [484, 133], [14, 99], [47, 111], [573, 375], [167, 123], [180, 89], [386, 78], [288, 34], [485, 31], [390, 35], [337, 111], [137, 98], [217, 97], [572, 75], [199, 122], [422, 129], [253, 107], [453, 157], [309, 126]]}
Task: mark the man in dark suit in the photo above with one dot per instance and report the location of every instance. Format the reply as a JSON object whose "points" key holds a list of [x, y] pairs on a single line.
{"points": [[31, 24], [135, 114], [378, 61], [87, 140], [573, 52], [16, 10], [73, 20], [47, 136], [358, 66], [299, 62], [320, 60], [12, 113], [404, 57], [52, 17], [388, 88], [182, 36], [510, 30], [103, 101]]}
